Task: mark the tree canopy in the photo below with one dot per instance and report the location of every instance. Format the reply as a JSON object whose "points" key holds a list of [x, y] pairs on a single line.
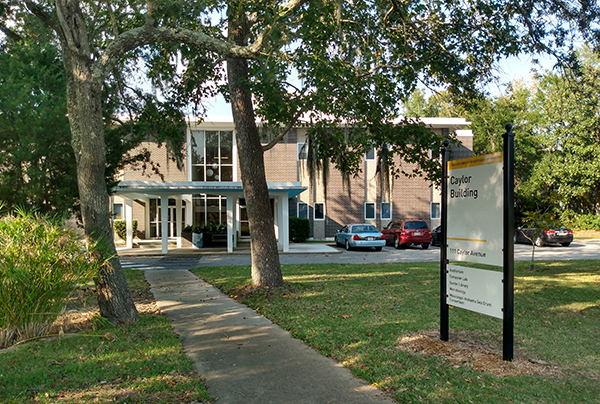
{"points": [[355, 61]]}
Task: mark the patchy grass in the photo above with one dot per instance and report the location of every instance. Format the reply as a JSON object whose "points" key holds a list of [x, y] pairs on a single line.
{"points": [[141, 362], [381, 322]]}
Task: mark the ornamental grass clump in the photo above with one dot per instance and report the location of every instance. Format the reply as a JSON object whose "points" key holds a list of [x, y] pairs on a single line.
{"points": [[41, 265]]}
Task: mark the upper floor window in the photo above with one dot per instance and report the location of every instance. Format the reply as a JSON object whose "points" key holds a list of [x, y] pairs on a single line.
{"points": [[370, 211], [370, 155], [212, 155], [302, 151]]}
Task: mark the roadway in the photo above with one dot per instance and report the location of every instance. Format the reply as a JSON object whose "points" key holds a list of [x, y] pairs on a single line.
{"points": [[328, 254]]}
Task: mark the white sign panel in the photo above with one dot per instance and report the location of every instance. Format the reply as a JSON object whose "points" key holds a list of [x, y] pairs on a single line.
{"points": [[475, 202], [478, 290]]}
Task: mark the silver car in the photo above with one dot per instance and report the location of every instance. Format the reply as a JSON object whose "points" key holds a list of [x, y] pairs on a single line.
{"points": [[359, 235]]}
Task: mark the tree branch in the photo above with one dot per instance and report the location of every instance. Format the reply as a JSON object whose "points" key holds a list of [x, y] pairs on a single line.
{"points": [[284, 132]]}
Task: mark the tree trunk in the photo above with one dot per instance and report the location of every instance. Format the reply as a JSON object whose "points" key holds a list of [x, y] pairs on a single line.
{"points": [[266, 268], [84, 105]]}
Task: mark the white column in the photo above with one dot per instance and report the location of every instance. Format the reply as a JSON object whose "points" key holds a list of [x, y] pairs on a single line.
{"points": [[129, 222], [179, 222], [284, 222], [230, 223], [164, 223]]}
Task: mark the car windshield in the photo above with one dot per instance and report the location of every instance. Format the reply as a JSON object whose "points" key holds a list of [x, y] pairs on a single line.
{"points": [[364, 229], [415, 225]]}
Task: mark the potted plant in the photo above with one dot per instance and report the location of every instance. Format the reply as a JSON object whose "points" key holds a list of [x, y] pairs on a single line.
{"points": [[197, 236]]}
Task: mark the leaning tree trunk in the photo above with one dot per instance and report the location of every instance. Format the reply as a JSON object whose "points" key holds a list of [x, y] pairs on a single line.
{"points": [[266, 268], [84, 106]]}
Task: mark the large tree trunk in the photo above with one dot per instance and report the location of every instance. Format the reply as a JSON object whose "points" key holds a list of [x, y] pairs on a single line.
{"points": [[84, 106], [266, 268]]}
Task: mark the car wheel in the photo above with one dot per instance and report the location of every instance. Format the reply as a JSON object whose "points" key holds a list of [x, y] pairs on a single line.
{"points": [[425, 246], [539, 242], [565, 244], [396, 243], [378, 248], [347, 245]]}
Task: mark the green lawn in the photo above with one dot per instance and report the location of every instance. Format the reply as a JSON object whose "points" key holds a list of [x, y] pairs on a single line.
{"points": [[135, 363], [359, 314]]}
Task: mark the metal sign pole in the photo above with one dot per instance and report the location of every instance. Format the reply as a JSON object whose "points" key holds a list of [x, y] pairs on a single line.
{"points": [[444, 310], [509, 247]]}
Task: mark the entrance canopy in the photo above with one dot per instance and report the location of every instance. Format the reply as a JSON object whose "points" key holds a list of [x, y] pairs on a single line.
{"points": [[279, 191]]}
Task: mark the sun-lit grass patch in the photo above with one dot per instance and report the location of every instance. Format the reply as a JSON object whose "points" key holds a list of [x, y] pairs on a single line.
{"points": [[142, 362], [358, 314]]}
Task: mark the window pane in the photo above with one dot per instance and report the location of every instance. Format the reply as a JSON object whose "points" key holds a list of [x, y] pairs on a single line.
{"points": [[319, 211], [369, 211], [370, 155], [212, 147], [226, 147], [118, 211], [302, 151], [303, 210], [386, 211], [212, 173], [197, 173], [226, 173], [435, 210], [197, 147]]}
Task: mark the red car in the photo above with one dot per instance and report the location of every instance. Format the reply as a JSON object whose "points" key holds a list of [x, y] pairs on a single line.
{"points": [[406, 232]]}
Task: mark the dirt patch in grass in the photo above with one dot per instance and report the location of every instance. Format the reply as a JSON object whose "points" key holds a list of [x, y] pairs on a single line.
{"points": [[83, 308], [469, 349]]}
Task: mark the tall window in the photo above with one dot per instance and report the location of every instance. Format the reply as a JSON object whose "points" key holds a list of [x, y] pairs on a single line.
{"points": [[319, 211], [212, 155], [370, 211], [209, 209], [435, 210]]}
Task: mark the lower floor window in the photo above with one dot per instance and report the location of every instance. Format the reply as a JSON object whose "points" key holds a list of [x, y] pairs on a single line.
{"points": [[386, 210], [319, 211], [302, 210], [370, 211], [435, 210]]}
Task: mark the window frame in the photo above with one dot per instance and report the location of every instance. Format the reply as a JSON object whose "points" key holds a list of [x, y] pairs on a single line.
{"points": [[389, 210], [431, 210], [374, 217], [298, 210], [300, 152], [315, 210], [114, 215]]}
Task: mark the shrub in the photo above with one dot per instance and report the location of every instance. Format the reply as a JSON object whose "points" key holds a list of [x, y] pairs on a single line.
{"points": [[121, 228], [41, 264], [587, 222], [299, 229]]}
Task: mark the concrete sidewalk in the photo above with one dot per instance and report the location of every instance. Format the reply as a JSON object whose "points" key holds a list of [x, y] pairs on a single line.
{"points": [[244, 357]]}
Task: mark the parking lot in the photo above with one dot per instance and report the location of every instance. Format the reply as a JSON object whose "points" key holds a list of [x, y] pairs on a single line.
{"points": [[338, 255]]}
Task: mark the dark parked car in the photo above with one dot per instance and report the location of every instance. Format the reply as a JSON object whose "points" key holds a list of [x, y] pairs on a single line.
{"points": [[359, 235], [436, 236], [529, 235], [403, 233]]}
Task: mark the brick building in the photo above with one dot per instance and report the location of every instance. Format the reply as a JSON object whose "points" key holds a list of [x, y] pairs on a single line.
{"points": [[208, 188]]}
